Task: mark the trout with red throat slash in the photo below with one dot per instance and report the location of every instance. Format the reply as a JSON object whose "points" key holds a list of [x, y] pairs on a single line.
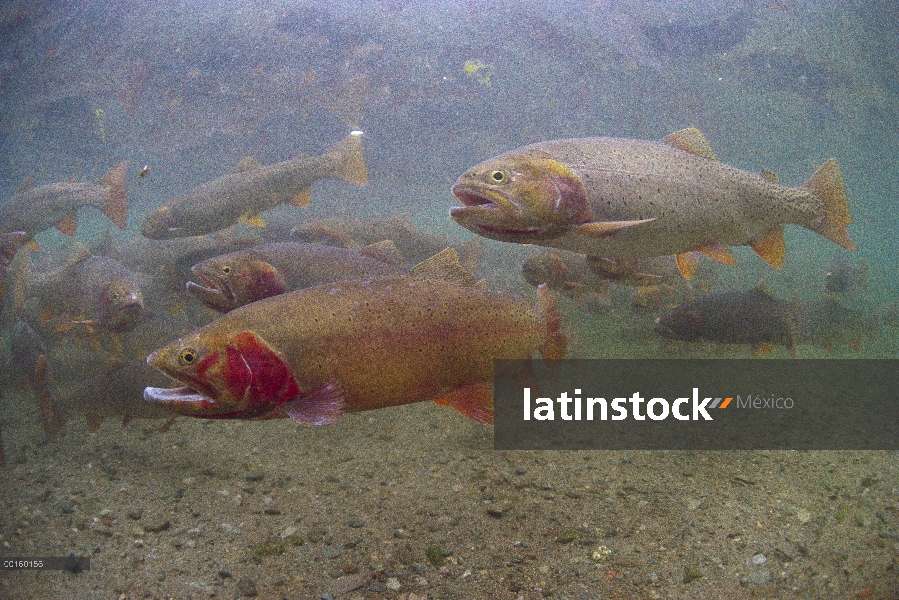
{"points": [[624, 199]]}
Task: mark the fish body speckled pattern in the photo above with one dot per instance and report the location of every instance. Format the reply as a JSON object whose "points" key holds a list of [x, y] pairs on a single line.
{"points": [[353, 346], [36, 208], [250, 189], [244, 276], [624, 199]]}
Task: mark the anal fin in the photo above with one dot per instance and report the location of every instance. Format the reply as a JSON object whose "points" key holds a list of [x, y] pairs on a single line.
{"points": [[474, 400], [69, 223], [771, 248]]}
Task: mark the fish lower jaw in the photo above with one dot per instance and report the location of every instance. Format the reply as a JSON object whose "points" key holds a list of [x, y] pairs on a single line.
{"points": [[173, 396], [214, 298]]}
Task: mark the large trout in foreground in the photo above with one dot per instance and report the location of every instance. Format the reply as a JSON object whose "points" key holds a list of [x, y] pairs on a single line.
{"points": [[624, 199], [351, 346], [251, 188]]}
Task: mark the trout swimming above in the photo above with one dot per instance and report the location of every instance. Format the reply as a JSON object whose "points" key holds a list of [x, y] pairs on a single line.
{"points": [[623, 199], [251, 188], [351, 346], [36, 208]]}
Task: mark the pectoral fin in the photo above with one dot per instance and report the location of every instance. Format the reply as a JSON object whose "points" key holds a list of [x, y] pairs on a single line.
{"points": [[321, 406], [602, 228]]}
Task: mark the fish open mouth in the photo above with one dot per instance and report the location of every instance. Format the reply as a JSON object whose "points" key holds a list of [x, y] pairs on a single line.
{"points": [[126, 316], [469, 197], [474, 216], [215, 294]]}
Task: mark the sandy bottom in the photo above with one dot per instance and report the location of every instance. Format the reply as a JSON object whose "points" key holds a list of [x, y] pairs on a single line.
{"points": [[413, 502]]}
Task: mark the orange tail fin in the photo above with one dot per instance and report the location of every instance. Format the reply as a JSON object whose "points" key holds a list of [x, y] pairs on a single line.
{"points": [[556, 343], [827, 185], [116, 205]]}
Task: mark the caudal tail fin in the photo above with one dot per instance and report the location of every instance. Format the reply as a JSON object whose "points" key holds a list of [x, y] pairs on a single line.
{"points": [[350, 166], [116, 205], [827, 185], [556, 343]]}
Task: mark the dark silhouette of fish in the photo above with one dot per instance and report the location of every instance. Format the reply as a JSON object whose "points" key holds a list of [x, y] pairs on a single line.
{"points": [[753, 317], [845, 276]]}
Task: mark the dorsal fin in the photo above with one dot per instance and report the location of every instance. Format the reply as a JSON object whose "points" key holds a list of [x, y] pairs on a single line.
{"points": [[769, 176], [691, 140], [384, 251], [444, 266], [26, 184], [248, 163]]}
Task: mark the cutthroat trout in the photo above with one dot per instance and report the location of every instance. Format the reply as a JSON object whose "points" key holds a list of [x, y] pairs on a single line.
{"points": [[351, 346], [245, 276], [36, 208], [623, 199], [93, 290], [251, 188], [752, 317]]}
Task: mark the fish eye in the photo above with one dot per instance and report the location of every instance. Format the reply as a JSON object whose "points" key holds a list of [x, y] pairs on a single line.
{"points": [[187, 356], [115, 295], [499, 176], [226, 270]]}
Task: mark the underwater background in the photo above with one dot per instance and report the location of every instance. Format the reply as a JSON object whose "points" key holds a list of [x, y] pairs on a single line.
{"points": [[413, 502]]}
